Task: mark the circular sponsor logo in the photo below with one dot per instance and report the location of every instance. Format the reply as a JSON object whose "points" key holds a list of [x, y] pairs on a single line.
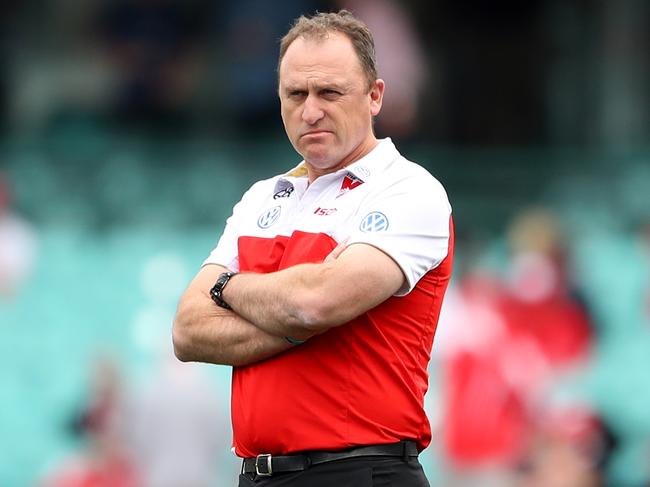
{"points": [[375, 221], [269, 217]]}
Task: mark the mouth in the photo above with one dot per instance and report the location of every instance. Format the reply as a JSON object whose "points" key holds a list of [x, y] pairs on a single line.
{"points": [[315, 133]]}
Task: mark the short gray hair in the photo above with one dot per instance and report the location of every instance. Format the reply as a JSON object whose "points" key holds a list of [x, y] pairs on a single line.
{"points": [[319, 25]]}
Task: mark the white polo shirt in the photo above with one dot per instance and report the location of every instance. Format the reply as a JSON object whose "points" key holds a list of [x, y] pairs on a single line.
{"points": [[382, 199], [362, 382]]}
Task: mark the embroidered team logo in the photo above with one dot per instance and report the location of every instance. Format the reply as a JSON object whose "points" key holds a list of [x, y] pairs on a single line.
{"points": [[269, 217], [375, 221], [283, 193], [349, 182]]}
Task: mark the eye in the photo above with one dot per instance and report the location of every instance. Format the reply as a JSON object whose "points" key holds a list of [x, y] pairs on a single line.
{"points": [[330, 93], [297, 94]]}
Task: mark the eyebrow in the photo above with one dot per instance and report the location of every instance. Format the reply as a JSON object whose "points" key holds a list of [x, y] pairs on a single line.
{"points": [[334, 85]]}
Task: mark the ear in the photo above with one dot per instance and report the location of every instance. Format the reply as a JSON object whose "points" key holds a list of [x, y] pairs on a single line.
{"points": [[376, 96]]}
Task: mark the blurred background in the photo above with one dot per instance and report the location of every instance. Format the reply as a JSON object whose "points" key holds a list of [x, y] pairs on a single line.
{"points": [[129, 128]]}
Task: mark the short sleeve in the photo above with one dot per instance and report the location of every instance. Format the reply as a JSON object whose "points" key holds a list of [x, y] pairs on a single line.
{"points": [[408, 219], [226, 253]]}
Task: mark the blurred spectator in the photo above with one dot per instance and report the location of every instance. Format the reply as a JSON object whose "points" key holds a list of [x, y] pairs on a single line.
{"points": [[401, 63], [572, 448], [179, 428], [104, 461], [504, 345], [18, 245], [480, 443], [156, 47], [542, 303]]}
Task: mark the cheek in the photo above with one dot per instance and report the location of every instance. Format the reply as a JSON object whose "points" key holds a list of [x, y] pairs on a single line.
{"points": [[287, 112], [289, 121]]}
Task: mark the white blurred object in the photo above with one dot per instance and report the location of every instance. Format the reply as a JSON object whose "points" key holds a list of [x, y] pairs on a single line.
{"points": [[180, 427], [164, 277], [18, 245]]}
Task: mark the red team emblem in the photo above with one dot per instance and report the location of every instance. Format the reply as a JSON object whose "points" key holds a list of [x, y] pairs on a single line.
{"points": [[349, 182]]}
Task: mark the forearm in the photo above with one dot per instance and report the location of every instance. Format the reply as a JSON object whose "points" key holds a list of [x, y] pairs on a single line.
{"points": [[203, 332], [283, 303], [308, 299]]}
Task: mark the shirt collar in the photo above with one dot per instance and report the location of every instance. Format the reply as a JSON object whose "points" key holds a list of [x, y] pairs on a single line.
{"points": [[374, 162]]}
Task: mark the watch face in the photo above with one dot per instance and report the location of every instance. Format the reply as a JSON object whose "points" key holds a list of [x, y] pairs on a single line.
{"points": [[217, 289], [221, 282], [224, 278]]}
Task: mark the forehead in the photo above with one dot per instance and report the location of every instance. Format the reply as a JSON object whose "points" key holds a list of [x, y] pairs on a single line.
{"points": [[331, 56]]}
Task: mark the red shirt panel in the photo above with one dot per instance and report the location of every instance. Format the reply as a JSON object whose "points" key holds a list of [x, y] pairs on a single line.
{"points": [[361, 383]]}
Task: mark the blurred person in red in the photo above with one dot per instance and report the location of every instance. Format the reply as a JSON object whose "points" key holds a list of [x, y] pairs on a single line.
{"points": [[484, 417], [104, 462], [18, 245], [509, 339], [542, 303]]}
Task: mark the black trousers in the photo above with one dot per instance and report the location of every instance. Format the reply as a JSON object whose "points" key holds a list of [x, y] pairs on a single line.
{"points": [[352, 472]]}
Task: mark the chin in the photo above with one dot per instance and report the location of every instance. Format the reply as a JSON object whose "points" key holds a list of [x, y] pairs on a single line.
{"points": [[321, 162], [318, 158]]}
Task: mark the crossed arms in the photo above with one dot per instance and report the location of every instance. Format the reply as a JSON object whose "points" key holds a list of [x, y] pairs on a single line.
{"points": [[299, 302]]}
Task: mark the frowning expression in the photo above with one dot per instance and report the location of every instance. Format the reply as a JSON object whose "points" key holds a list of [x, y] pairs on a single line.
{"points": [[327, 102]]}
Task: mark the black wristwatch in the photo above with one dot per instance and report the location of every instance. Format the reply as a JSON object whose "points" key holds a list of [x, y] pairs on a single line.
{"points": [[217, 290]]}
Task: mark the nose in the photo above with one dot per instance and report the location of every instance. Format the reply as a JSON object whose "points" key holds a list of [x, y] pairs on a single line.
{"points": [[311, 110]]}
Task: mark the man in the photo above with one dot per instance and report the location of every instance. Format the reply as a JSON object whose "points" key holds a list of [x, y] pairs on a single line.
{"points": [[325, 287]]}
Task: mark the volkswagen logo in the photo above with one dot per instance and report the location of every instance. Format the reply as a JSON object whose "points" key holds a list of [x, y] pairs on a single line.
{"points": [[374, 222], [269, 217]]}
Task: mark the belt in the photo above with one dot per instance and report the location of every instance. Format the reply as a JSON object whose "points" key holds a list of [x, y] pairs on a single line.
{"points": [[266, 464]]}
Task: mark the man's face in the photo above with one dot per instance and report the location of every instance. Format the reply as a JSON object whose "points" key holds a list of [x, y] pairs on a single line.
{"points": [[327, 105]]}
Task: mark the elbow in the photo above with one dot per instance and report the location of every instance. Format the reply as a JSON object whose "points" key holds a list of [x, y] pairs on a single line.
{"points": [[317, 314], [315, 306]]}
